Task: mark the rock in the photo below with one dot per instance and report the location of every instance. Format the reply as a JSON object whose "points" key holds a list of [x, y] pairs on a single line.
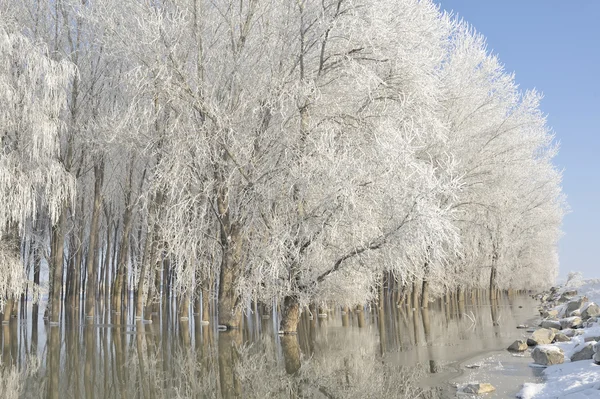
{"points": [[550, 313], [522, 326], [590, 339], [597, 357], [518, 346], [547, 355], [551, 324], [592, 310], [572, 332], [576, 312], [560, 337], [570, 293], [571, 322], [479, 388], [531, 342], [563, 298], [586, 353], [574, 305], [542, 336]]}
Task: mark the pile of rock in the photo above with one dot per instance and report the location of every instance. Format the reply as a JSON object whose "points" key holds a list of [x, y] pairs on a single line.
{"points": [[564, 314]]}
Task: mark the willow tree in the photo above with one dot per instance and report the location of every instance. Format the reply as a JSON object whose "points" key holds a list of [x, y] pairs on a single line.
{"points": [[31, 112]]}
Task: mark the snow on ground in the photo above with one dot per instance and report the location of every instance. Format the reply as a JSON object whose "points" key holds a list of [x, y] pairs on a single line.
{"points": [[571, 380]]}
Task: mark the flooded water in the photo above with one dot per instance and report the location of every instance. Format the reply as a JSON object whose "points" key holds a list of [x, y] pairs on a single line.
{"points": [[391, 353]]}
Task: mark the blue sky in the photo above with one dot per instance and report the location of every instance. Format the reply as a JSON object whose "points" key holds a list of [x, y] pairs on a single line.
{"points": [[554, 46]]}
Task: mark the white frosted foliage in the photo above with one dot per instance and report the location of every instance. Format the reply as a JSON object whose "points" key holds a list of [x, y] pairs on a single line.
{"points": [[30, 171]]}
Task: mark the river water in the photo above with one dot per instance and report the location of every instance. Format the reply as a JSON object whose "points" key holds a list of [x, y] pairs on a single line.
{"points": [[373, 353]]}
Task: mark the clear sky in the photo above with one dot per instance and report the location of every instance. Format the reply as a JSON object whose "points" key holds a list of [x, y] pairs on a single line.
{"points": [[554, 47]]}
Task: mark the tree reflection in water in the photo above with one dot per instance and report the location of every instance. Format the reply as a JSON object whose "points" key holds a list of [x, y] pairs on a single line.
{"points": [[355, 353]]}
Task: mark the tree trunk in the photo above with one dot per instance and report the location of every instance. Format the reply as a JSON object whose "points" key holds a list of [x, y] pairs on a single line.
{"points": [[92, 260], [57, 263], [415, 295], [205, 304], [184, 306], [229, 313], [425, 294], [120, 282], [290, 315], [493, 275]]}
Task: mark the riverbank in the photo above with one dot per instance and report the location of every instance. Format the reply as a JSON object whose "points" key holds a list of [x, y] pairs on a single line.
{"points": [[506, 371], [574, 373]]}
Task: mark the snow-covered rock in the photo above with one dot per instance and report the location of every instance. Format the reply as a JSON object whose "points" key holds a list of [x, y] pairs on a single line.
{"points": [[551, 324], [591, 310], [583, 353], [571, 322], [574, 305], [547, 355]]}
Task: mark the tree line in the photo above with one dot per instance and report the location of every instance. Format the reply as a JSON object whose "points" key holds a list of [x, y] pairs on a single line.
{"points": [[258, 152]]}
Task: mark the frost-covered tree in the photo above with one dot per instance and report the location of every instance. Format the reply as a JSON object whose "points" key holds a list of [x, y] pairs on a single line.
{"points": [[503, 150], [31, 114]]}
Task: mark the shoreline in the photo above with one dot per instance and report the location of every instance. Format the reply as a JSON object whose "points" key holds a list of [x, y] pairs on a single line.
{"points": [[506, 371]]}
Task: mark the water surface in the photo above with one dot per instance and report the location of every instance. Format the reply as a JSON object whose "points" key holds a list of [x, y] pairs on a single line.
{"points": [[373, 353]]}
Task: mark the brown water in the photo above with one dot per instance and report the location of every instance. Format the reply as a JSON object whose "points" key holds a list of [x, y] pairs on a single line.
{"points": [[396, 353]]}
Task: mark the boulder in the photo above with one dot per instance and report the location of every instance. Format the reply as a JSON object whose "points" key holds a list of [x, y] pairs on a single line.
{"points": [[571, 322], [531, 342], [593, 338], [576, 312], [569, 332], [585, 353], [550, 313], [592, 310], [574, 305], [551, 324], [479, 388], [560, 337], [518, 346], [597, 357], [570, 293], [542, 336], [547, 355], [563, 298]]}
